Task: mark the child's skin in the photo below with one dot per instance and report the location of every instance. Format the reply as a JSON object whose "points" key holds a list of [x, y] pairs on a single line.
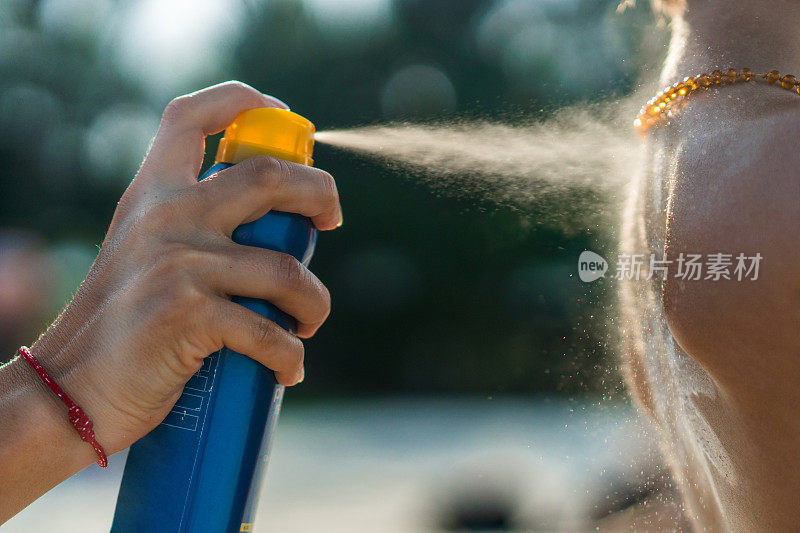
{"points": [[155, 302], [717, 363]]}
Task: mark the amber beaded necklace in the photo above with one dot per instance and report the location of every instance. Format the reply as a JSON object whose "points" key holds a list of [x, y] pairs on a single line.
{"points": [[663, 106]]}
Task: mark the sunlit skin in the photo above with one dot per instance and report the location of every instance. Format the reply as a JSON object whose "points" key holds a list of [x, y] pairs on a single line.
{"points": [[155, 302], [716, 363]]}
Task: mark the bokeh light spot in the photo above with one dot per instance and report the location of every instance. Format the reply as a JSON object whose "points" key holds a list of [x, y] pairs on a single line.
{"points": [[418, 90], [77, 19], [117, 140], [350, 20], [174, 46]]}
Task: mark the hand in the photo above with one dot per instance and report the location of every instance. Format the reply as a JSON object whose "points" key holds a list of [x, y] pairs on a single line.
{"points": [[156, 301]]}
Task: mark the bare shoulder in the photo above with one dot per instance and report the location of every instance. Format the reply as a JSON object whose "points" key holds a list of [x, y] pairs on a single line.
{"points": [[735, 189]]}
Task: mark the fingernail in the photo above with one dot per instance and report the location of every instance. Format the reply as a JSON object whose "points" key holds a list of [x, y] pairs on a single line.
{"points": [[339, 225], [277, 102]]}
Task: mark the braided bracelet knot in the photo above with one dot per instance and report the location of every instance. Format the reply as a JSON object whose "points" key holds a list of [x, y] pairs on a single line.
{"points": [[82, 424]]}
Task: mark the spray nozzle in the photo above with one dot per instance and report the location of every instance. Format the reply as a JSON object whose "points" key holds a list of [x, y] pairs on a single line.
{"points": [[270, 131]]}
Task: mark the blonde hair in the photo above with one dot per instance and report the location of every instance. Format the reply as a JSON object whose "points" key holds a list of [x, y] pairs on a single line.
{"points": [[669, 8]]}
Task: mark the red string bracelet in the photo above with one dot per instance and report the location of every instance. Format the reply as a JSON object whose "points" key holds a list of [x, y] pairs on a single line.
{"points": [[77, 417]]}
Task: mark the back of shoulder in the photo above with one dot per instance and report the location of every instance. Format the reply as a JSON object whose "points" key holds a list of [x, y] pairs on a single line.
{"points": [[734, 193]]}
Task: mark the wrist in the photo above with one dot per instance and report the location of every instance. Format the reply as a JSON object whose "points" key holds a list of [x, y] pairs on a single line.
{"points": [[40, 421], [73, 373], [77, 416]]}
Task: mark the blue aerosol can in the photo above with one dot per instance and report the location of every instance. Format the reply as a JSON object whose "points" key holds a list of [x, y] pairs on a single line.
{"points": [[200, 470]]}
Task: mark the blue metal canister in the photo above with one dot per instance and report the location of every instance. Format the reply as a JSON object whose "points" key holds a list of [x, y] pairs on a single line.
{"points": [[200, 469]]}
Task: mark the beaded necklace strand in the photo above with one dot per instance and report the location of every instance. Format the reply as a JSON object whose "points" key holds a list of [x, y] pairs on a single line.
{"points": [[663, 106]]}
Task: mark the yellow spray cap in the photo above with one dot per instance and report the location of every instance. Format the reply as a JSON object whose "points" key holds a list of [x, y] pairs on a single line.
{"points": [[271, 131]]}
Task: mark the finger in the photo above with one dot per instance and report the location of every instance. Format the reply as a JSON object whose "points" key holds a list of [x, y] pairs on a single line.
{"points": [[279, 278], [247, 191], [179, 144], [249, 333]]}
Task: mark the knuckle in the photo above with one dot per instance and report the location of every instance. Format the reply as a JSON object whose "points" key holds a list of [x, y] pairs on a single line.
{"points": [[264, 333], [290, 273], [178, 109], [329, 191], [243, 92], [176, 263], [181, 302], [239, 87], [263, 171], [185, 293], [323, 307], [262, 164]]}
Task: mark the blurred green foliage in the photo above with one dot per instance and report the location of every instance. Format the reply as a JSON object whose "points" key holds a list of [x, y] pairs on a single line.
{"points": [[432, 292]]}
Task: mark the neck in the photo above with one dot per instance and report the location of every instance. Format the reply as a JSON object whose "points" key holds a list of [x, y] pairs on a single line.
{"points": [[721, 34]]}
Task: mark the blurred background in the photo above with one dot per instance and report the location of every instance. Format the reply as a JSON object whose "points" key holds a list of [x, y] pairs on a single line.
{"points": [[467, 378]]}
